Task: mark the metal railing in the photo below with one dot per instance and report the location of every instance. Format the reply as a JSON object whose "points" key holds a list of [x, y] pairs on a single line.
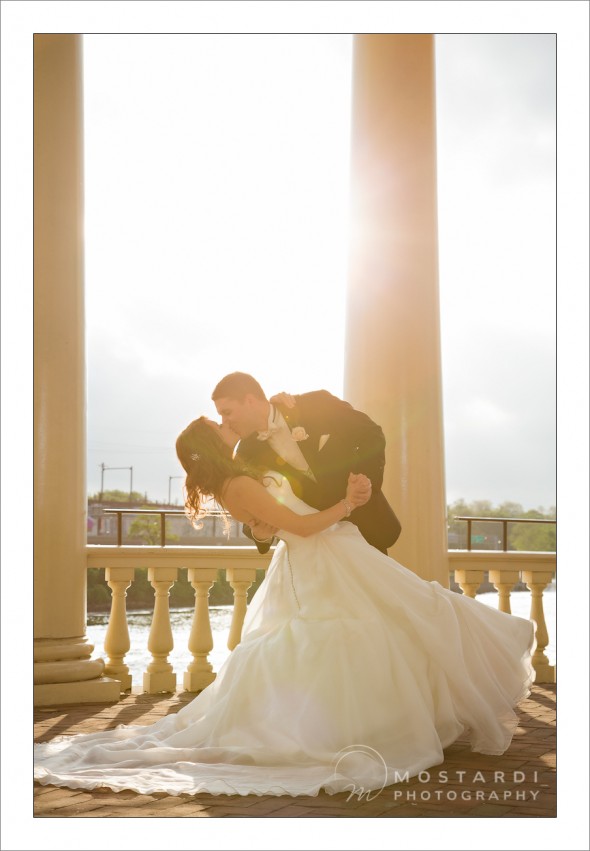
{"points": [[504, 521], [162, 513]]}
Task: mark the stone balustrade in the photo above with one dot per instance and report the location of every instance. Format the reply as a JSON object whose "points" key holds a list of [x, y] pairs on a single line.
{"points": [[163, 565], [505, 569]]}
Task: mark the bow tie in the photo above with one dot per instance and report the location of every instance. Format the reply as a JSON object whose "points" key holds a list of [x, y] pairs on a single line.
{"points": [[264, 435]]}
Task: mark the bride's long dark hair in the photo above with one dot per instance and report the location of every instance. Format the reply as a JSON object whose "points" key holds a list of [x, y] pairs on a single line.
{"points": [[208, 464]]}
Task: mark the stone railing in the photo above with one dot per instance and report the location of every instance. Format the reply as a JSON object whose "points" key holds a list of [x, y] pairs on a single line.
{"points": [[163, 563], [240, 565], [505, 569]]}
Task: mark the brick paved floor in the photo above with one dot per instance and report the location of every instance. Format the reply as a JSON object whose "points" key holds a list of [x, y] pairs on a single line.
{"points": [[521, 783]]}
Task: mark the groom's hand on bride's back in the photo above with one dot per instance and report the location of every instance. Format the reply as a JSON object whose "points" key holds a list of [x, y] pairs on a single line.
{"points": [[285, 399]]}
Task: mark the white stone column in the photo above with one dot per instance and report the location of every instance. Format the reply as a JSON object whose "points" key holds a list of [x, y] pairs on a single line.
{"points": [[63, 669], [393, 365]]}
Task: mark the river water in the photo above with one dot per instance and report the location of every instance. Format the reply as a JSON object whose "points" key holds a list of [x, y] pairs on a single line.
{"points": [[139, 657]]}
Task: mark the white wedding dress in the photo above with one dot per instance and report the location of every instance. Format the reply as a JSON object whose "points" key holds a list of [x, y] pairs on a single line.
{"points": [[352, 672]]}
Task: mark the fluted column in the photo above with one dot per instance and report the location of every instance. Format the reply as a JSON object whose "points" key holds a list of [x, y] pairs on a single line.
{"points": [[63, 669], [393, 365]]}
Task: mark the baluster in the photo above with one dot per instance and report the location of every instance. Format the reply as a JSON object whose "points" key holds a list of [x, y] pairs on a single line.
{"points": [[199, 673], [504, 581], [240, 581], [116, 642], [159, 675], [469, 581], [536, 582]]}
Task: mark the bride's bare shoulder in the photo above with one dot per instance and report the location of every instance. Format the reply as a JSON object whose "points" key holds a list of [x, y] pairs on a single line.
{"points": [[239, 486], [241, 495]]}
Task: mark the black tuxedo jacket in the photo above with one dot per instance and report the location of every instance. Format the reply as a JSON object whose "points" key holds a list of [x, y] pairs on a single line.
{"points": [[354, 443]]}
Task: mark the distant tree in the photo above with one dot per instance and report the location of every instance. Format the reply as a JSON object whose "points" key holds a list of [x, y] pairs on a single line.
{"points": [[97, 591], [509, 509], [533, 537], [148, 529], [117, 496]]}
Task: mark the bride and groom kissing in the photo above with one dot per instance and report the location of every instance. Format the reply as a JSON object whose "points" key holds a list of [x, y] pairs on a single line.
{"points": [[315, 440], [342, 647]]}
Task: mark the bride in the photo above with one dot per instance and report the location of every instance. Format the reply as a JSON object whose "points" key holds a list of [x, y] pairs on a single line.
{"points": [[352, 671]]}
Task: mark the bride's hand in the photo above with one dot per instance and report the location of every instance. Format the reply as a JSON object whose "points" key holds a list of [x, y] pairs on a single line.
{"points": [[285, 399], [262, 531], [359, 489]]}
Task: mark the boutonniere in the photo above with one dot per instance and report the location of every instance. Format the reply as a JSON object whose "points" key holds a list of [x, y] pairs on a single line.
{"points": [[298, 434]]}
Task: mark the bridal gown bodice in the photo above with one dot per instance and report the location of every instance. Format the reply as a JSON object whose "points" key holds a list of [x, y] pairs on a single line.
{"points": [[351, 672]]}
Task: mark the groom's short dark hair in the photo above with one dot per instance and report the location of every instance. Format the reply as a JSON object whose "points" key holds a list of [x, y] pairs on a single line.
{"points": [[237, 385]]}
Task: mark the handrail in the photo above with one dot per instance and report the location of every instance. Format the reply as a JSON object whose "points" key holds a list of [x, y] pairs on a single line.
{"points": [[163, 513], [504, 521], [143, 511]]}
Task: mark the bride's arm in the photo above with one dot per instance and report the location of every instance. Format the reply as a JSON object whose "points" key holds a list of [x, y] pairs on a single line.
{"points": [[248, 501]]}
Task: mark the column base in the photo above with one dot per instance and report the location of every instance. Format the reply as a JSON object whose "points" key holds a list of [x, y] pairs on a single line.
{"points": [[153, 683], [124, 678], [100, 690], [545, 674], [197, 680]]}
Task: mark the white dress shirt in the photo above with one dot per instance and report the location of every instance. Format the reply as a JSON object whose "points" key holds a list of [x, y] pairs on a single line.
{"points": [[282, 442]]}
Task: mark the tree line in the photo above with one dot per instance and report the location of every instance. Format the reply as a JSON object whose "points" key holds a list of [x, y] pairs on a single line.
{"points": [[529, 537]]}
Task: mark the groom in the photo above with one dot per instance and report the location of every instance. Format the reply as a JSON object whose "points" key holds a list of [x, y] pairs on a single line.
{"points": [[316, 444]]}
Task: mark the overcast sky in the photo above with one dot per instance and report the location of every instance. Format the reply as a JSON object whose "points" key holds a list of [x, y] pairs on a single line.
{"points": [[496, 155], [216, 199]]}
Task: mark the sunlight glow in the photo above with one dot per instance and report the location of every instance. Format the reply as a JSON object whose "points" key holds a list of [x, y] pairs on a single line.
{"points": [[217, 231], [216, 226]]}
